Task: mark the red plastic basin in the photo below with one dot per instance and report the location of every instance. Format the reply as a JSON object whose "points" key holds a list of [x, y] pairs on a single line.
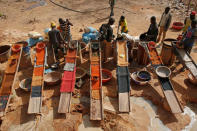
{"points": [[16, 48], [108, 75]]}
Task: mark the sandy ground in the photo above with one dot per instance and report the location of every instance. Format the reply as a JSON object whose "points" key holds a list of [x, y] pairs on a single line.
{"points": [[20, 20]]}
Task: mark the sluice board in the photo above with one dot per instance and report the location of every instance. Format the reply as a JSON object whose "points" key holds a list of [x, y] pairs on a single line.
{"points": [[9, 77], [122, 53], [96, 93], [35, 101], [186, 60], [165, 83], [68, 79], [123, 76], [123, 80]]}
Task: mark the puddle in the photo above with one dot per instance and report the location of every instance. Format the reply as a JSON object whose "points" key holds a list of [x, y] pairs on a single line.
{"points": [[192, 116], [39, 3], [156, 123]]}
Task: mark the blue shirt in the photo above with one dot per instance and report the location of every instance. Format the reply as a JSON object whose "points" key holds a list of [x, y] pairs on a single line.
{"points": [[190, 37]]}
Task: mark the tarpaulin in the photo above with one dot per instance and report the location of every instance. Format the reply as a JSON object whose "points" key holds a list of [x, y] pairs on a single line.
{"points": [[3, 102], [38, 71], [40, 56], [68, 81], [36, 91], [123, 79]]}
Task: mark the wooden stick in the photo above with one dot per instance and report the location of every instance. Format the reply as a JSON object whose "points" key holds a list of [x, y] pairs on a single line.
{"points": [[80, 54]]}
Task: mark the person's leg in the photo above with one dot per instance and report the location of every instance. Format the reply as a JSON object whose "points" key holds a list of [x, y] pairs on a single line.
{"points": [[164, 36], [55, 52], [160, 32]]}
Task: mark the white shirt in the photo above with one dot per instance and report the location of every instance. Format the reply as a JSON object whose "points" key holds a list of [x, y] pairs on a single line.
{"points": [[164, 19]]}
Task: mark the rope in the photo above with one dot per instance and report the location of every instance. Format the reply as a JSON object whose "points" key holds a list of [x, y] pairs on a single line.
{"points": [[78, 11], [52, 1]]}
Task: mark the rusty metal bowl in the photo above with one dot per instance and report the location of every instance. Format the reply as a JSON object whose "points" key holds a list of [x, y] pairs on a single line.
{"points": [[52, 78], [25, 84], [4, 53], [163, 71]]}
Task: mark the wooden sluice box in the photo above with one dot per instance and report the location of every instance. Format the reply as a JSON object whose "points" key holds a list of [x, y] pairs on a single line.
{"points": [[165, 83]]}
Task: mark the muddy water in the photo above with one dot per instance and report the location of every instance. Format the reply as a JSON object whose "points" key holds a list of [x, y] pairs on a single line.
{"points": [[143, 108], [155, 123], [111, 104]]}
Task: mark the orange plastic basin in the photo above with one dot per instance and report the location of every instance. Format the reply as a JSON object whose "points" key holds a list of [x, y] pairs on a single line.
{"points": [[16, 48]]}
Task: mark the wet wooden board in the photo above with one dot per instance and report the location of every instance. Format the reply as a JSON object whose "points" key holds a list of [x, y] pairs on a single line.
{"points": [[187, 61], [172, 101], [35, 105], [65, 97], [122, 62], [95, 109], [124, 102], [122, 53], [35, 101], [183, 55], [96, 94], [192, 68], [65, 101], [9, 80], [165, 83]]}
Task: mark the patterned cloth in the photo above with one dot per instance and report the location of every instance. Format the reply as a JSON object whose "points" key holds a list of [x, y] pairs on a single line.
{"points": [[3, 102], [69, 67]]}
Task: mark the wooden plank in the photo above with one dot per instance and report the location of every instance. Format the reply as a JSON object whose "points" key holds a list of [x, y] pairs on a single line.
{"points": [[187, 61], [95, 109], [184, 55], [192, 68], [14, 80], [168, 91], [122, 53], [124, 98], [65, 101], [34, 105], [124, 102], [96, 96], [172, 101], [65, 97]]}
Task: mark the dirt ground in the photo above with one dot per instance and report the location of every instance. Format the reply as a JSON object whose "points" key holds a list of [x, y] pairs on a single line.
{"points": [[20, 20]]}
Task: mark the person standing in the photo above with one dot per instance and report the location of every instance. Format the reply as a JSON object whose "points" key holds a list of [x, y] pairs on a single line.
{"points": [[190, 37], [112, 4], [164, 24], [106, 37], [151, 34], [55, 39], [123, 24], [65, 29], [188, 21]]}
